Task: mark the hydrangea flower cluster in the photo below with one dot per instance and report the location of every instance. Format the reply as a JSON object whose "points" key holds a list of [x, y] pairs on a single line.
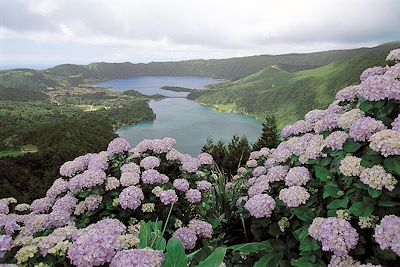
{"points": [[336, 235], [315, 155], [260, 206], [387, 233], [138, 258], [195, 229], [294, 196], [121, 180]]}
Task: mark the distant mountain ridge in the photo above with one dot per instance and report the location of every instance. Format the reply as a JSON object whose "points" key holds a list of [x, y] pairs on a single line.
{"points": [[230, 69], [289, 95]]}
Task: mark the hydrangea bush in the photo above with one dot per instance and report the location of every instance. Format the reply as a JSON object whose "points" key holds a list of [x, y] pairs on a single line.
{"points": [[92, 214], [329, 194]]}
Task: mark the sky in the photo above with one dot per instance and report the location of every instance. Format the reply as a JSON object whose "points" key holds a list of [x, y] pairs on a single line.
{"points": [[51, 32]]}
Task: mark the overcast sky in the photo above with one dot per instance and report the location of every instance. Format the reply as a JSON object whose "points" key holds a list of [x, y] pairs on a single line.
{"points": [[50, 32]]}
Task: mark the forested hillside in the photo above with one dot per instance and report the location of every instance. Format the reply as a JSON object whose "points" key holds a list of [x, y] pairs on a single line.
{"points": [[289, 95]]}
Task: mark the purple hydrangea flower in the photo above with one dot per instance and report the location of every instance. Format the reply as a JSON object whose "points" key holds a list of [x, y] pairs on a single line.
{"points": [[4, 209], [336, 140], [187, 237], [205, 159], [396, 124], [201, 228], [297, 176], [277, 173], [258, 171], [294, 196], [349, 93], [130, 167], [79, 164], [387, 233], [299, 127], [382, 87], [362, 129], [336, 235], [328, 123], [41, 205], [131, 197], [173, 154], [189, 163], [98, 162], [9, 224], [315, 115], [96, 244], [203, 185], [181, 185], [387, 142], [150, 162], [87, 179], [168, 197], [393, 55], [6, 243], [138, 258], [129, 178], [118, 146], [193, 196], [151, 177], [61, 212], [260, 206], [59, 186], [251, 163], [163, 145], [374, 71]]}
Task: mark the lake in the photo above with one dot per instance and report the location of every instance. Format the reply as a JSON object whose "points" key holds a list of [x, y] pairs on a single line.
{"points": [[151, 85], [187, 121]]}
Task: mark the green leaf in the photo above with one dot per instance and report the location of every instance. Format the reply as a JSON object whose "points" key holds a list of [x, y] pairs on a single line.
{"points": [[145, 235], [387, 203], [301, 233], [322, 173], [351, 146], [215, 259], [271, 259], [160, 244], [303, 213], [175, 256], [304, 261], [251, 247], [361, 209], [339, 203], [374, 193], [366, 106], [309, 244], [392, 165], [330, 190]]}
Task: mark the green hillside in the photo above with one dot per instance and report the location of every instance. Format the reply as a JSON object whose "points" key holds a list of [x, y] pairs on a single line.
{"points": [[230, 69], [290, 95]]}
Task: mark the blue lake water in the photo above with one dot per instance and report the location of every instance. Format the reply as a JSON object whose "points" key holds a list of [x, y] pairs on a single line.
{"points": [[187, 121], [151, 85]]}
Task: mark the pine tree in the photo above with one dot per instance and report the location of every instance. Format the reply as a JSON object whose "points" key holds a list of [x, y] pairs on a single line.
{"points": [[269, 134]]}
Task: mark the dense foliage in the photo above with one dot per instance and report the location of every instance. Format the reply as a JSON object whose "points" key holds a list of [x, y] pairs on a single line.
{"points": [[231, 156], [59, 134]]}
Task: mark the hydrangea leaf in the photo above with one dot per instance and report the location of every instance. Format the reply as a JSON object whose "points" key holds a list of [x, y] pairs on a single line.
{"points": [[175, 255], [361, 209]]}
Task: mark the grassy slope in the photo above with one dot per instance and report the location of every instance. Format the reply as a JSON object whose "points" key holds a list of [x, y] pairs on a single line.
{"points": [[290, 95]]}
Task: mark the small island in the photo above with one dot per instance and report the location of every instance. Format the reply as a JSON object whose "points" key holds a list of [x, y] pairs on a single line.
{"points": [[178, 89]]}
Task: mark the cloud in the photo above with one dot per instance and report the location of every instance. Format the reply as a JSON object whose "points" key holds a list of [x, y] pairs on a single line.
{"points": [[181, 29]]}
